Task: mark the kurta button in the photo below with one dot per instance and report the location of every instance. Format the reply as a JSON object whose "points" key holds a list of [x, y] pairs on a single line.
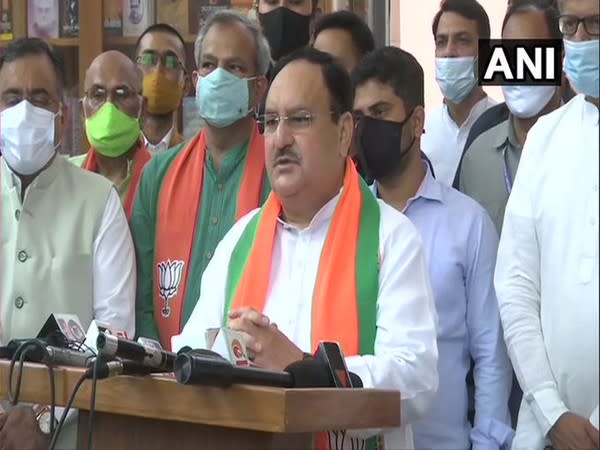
{"points": [[214, 220], [22, 256], [209, 255], [220, 186], [17, 214], [19, 302]]}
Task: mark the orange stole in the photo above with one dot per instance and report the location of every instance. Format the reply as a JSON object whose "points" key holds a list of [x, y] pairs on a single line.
{"points": [[178, 208]]}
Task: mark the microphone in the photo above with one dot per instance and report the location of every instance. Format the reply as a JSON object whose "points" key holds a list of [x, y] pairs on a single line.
{"points": [[111, 347], [331, 355], [38, 351], [107, 369], [201, 370]]}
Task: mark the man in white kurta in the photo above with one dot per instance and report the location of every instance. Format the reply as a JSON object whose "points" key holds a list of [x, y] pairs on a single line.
{"points": [[65, 243], [305, 159], [547, 268]]}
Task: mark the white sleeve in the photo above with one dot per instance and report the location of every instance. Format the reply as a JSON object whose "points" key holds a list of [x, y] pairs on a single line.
{"points": [[208, 312], [517, 282], [406, 340], [114, 269]]}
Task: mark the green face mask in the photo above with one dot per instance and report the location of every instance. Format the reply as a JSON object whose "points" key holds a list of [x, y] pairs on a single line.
{"points": [[112, 132]]}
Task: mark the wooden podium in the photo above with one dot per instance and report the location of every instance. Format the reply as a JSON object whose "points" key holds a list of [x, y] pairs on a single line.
{"points": [[155, 412]]}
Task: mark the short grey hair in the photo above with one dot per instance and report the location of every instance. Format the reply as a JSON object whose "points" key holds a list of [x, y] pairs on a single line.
{"points": [[227, 16]]}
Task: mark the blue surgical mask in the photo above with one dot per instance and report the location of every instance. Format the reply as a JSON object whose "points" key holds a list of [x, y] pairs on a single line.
{"points": [[455, 77], [582, 66], [222, 98]]}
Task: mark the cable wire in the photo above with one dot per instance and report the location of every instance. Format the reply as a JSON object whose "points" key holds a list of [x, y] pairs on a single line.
{"points": [[66, 411], [92, 403]]}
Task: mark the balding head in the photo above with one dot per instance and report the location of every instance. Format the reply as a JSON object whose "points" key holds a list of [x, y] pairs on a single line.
{"points": [[113, 77], [113, 66]]}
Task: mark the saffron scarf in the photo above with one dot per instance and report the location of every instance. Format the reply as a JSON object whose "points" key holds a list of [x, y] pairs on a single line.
{"points": [[178, 206], [345, 294], [141, 157]]}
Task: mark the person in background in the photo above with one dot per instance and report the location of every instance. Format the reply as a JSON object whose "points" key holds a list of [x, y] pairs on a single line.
{"points": [[344, 35], [490, 163], [547, 271], [65, 244], [344, 266], [111, 108], [457, 28], [460, 245], [190, 196], [347, 37], [286, 24], [160, 53]]}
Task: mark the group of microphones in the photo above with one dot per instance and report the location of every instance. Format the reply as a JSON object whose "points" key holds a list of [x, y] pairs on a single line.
{"points": [[108, 353]]}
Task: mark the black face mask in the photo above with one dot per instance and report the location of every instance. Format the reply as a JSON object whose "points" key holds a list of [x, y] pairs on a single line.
{"points": [[285, 30], [380, 144]]}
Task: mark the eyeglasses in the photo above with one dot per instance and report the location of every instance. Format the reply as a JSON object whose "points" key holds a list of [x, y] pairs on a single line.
{"points": [[121, 96], [568, 25], [296, 121], [151, 60]]}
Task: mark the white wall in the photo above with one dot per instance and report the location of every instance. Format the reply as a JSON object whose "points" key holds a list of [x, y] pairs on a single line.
{"points": [[410, 29]]}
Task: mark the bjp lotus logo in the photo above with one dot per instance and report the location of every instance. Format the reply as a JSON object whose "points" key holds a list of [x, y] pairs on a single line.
{"points": [[169, 277]]}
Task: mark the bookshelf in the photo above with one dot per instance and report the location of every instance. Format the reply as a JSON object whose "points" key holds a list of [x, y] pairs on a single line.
{"points": [[102, 26]]}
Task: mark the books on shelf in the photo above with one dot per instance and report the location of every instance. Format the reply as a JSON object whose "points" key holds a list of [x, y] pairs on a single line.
{"points": [[200, 10], [174, 13], [113, 17], [43, 18], [137, 16], [6, 21], [69, 18]]}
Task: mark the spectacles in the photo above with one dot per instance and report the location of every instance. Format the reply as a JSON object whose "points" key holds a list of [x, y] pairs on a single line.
{"points": [[568, 24], [296, 121], [121, 96], [151, 60]]}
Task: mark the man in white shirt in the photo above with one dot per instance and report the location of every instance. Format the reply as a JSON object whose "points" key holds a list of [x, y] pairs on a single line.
{"points": [[312, 286], [457, 27], [66, 245], [547, 270]]}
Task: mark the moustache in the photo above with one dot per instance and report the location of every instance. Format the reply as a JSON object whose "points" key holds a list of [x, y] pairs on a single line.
{"points": [[286, 155]]}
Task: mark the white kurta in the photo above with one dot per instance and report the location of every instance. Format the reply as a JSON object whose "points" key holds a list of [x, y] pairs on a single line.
{"points": [[444, 141], [405, 345], [547, 271]]}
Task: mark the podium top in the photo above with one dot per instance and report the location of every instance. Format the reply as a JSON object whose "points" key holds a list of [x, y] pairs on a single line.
{"points": [[266, 409]]}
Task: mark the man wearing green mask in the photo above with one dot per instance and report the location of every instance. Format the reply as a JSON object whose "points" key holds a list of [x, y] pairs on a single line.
{"points": [[111, 107], [190, 196], [160, 53]]}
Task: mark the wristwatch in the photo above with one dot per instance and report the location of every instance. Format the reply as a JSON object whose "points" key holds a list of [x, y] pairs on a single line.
{"points": [[42, 415]]}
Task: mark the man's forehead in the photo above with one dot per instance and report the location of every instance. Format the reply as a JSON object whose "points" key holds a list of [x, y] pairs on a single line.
{"points": [[372, 92], [29, 72], [453, 23], [579, 7], [110, 76], [161, 41], [298, 84]]}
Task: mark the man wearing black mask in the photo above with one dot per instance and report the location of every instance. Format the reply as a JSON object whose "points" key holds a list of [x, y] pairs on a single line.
{"points": [[286, 24], [460, 244]]}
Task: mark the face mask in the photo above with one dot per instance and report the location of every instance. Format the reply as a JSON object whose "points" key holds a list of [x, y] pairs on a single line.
{"points": [[222, 98], [111, 132], [582, 66], [163, 95], [285, 30], [455, 77], [525, 102], [380, 143], [27, 137]]}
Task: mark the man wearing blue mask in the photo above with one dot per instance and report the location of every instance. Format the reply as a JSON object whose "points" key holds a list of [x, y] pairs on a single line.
{"points": [[547, 272], [457, 28], [190, 196], [65, 246], [490, 163]]}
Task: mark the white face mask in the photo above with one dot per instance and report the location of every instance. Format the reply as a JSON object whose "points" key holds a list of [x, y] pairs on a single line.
{"points": [[27, 137], [526, 102], [456, 77]]}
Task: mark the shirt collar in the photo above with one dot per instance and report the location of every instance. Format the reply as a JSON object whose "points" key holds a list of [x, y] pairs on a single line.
{"points": [[43, 179], [164, 143], [477, 109], [430, 188], [323, 216]]}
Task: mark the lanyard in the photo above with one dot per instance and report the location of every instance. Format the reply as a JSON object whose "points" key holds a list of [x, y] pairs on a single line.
{"points": [[508, 182]]}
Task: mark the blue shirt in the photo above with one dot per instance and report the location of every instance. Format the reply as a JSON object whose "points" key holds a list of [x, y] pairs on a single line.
{"points": [[460, 243]]}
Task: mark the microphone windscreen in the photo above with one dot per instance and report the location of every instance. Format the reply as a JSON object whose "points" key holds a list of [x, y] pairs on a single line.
{"points": [[355, 380], [308, 373]]}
